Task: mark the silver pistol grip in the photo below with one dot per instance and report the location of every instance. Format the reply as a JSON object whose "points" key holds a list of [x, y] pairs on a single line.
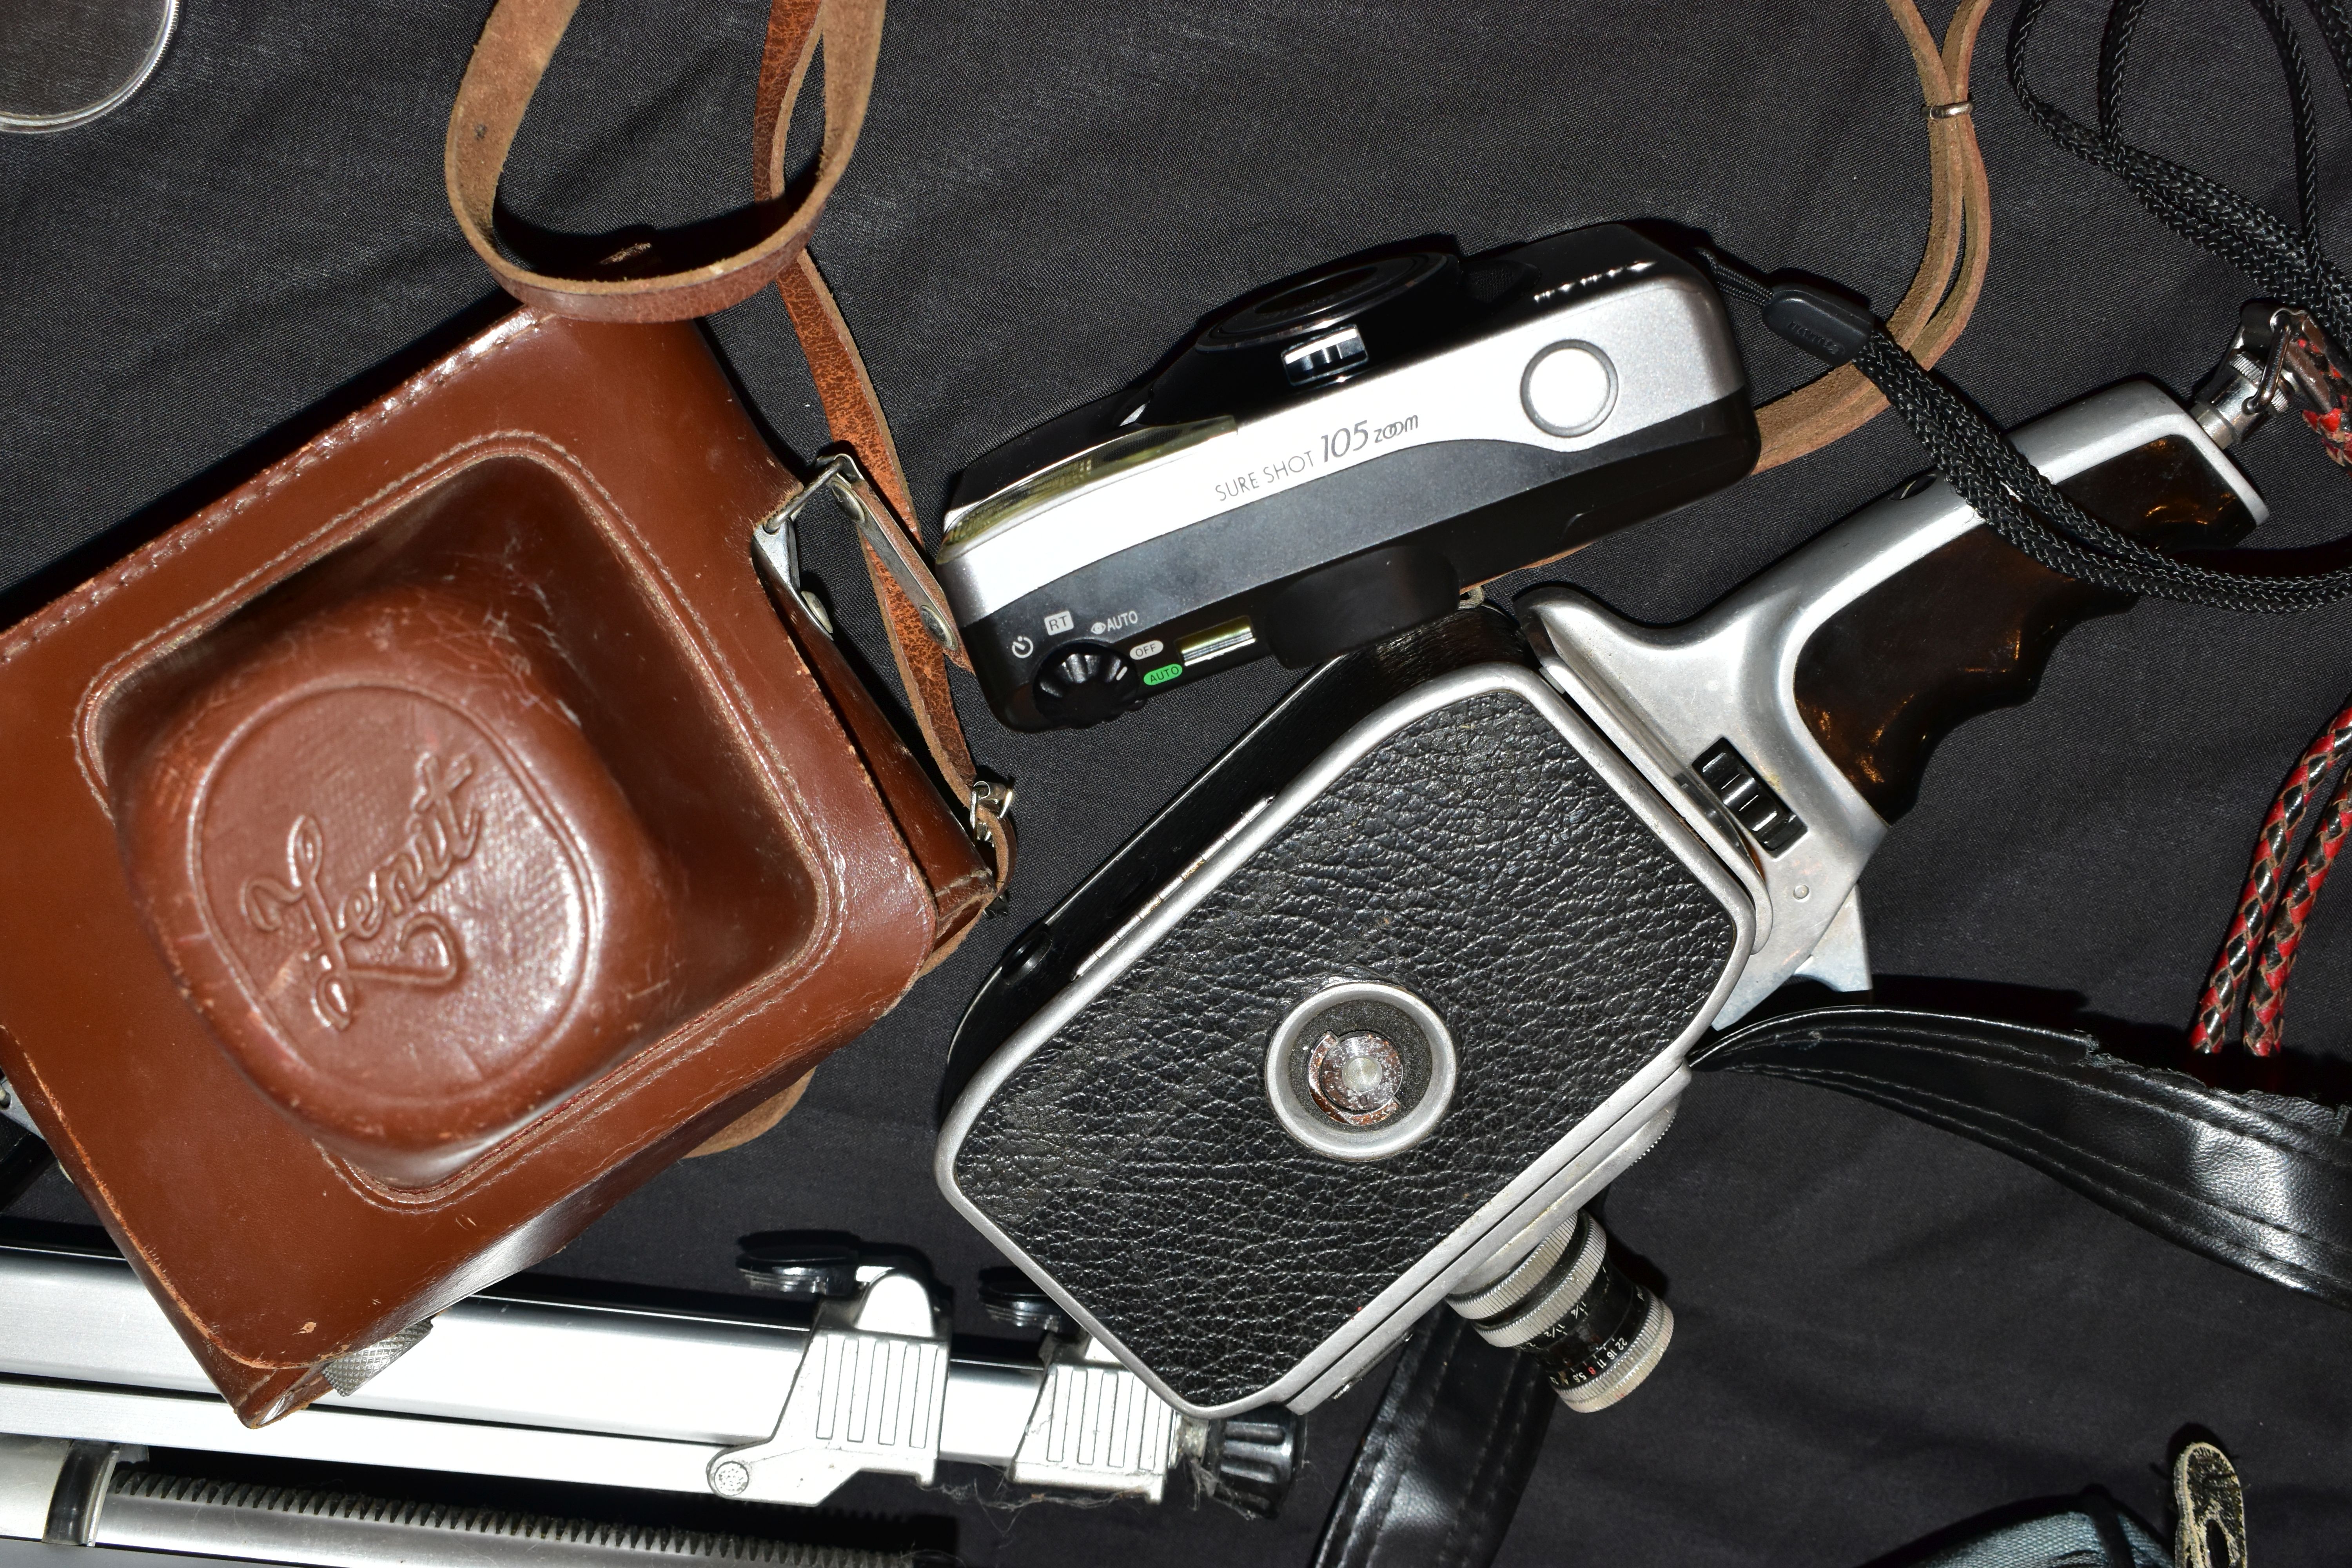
{"points": [[1666, 695]]}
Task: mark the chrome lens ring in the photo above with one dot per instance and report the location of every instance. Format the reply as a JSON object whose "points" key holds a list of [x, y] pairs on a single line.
{"points": [[1595, 1330], [1514, 1287]]}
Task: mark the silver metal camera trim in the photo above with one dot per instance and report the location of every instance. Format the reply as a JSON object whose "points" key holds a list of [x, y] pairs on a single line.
{"points": [[1472, 393], [1579, 1163], [1315, 1131], [1664, 694]]}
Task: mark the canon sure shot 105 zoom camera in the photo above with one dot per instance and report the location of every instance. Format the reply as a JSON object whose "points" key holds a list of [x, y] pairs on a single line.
{"points": [[1358, 1024], [1333, 461]]}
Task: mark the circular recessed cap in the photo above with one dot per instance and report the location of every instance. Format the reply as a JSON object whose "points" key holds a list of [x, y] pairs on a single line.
{"points": [[1569, 388], [64, 63], [1012, 1299], [1360, 1070]]}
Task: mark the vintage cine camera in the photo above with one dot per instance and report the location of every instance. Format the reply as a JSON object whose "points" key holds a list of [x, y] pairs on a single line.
{"points": [[1359, 1023], [1332, 461]]}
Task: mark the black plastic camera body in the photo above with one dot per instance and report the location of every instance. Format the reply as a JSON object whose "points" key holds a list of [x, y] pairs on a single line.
{"points": [[1332, 461]]}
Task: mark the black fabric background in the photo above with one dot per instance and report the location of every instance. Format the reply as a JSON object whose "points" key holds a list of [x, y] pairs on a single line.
{"points": [[1881, 1328]]}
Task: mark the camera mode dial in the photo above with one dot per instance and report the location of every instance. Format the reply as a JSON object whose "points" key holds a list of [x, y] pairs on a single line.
{"points": [[1082, 683]]}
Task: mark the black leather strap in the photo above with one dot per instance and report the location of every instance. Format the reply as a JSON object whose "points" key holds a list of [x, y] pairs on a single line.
{"points": [[2261, 1182], [1440, 1470]]}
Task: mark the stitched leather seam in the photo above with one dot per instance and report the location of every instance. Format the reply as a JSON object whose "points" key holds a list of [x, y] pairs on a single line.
{"points": [[2263, 1136], [2253, 1124], [646, 1067], [1531, 1412], [626, 1076], [2249, 1122], [1987, 1125], [474, 451], [317, 450], [720, 673], [823, 941], [202, 617]]}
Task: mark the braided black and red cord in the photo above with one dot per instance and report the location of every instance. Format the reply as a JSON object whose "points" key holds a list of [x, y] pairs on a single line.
{"points": [[2249, 930], [2266, 994], [2316, 376]]}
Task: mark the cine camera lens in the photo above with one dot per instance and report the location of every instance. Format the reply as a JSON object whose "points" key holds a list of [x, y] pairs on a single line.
{"points": [[1595, 1330]]}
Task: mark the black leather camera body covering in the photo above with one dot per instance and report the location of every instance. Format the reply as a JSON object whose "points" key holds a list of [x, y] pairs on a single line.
{"points": [[1427, 817]]}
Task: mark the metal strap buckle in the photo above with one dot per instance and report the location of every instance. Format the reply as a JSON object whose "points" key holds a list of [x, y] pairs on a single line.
{"points": [[775, 544], [838, 482], [996, 800]]}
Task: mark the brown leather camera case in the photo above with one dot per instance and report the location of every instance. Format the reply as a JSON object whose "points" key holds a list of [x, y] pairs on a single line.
{"points": [[414, 851]]}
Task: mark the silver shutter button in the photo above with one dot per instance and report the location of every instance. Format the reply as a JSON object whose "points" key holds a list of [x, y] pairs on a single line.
{"points": [[1569, 388]]}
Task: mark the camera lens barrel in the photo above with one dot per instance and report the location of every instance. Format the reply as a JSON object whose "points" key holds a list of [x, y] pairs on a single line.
{"points": [[1595, 1330]]}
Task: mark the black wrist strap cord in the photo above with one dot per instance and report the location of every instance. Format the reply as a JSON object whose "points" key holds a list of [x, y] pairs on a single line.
{"points": [[2288, 261], [1979, 461]]}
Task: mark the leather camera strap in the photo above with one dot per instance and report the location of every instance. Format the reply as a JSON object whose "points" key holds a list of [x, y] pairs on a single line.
{"points": [[521, 38], [509, 59], [512, 54], [2261, 1182], [1951, 271], [1439, 1472]]}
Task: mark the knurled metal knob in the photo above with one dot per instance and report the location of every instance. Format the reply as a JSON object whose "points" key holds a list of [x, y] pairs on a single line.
{"points": [[1249, 1460], [1010, 1297], [798, 1270]]}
